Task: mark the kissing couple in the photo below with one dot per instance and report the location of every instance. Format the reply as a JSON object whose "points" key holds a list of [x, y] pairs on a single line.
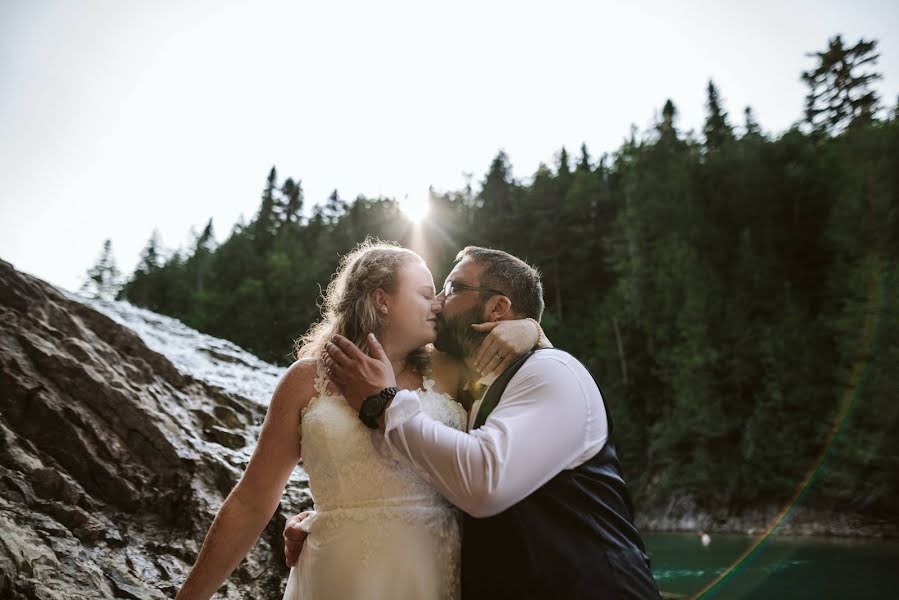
{"points": [[451, 450]]}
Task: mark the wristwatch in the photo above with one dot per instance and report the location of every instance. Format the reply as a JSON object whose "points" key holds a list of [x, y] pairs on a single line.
{"points": [[374, 406]]}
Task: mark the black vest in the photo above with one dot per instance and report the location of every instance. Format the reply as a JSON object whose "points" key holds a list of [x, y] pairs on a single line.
{"points": [[572, 538]]}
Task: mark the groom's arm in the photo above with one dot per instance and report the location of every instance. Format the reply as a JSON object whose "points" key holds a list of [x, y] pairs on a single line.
{"points": [[538, 429]]}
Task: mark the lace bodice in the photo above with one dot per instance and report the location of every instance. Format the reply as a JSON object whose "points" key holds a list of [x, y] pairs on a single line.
{"points": [[345, 469], [378, 530]]}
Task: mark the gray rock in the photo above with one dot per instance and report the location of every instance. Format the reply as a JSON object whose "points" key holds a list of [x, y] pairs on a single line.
{"points": [[113, 461]]}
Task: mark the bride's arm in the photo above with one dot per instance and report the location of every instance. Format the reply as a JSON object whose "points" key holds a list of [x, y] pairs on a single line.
{"points": [[505, 342], [251, 504]]}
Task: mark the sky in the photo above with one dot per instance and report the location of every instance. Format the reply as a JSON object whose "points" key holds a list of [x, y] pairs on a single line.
{"points": [[118, 118]]}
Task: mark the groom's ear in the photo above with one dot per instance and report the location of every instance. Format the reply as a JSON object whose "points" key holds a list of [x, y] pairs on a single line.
{"points": [[499, 308]]}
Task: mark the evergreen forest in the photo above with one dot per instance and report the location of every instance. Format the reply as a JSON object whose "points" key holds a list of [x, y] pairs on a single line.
{"points": [[733, 290]]}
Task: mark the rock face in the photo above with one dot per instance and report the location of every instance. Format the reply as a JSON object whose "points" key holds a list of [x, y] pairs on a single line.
{"points": [[114, 458]]}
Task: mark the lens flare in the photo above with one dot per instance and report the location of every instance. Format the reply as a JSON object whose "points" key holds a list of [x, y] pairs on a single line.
{"points": [[877, 305], [415, 209]]}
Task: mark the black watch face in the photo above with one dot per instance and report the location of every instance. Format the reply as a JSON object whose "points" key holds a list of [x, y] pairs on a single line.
{"points": [[373, 406]]}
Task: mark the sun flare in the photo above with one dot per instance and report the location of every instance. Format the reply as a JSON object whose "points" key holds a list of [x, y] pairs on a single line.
{"points": [[415, 209]]}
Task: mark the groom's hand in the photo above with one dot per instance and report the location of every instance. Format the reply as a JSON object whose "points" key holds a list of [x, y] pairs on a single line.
{"points": [[294, 538], [357, 374]]}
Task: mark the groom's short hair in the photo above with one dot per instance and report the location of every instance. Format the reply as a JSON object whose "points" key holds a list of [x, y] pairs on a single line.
{"points": [[518, 280]]}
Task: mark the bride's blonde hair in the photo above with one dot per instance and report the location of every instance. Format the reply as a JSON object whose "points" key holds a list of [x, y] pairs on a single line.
{"points": [[347, 305]]}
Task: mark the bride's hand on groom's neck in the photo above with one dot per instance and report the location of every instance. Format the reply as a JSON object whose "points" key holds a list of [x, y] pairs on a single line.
{"points": [[506, 341]]}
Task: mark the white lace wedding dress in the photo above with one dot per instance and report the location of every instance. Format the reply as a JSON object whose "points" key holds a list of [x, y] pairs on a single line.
{"points": [[379, 531]]}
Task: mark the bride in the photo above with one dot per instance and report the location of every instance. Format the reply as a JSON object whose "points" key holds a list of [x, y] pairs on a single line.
{"points": [[378, 530]]}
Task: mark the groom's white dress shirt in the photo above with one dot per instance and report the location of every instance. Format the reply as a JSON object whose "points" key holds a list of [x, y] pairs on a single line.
{"points": [[551, 417]]}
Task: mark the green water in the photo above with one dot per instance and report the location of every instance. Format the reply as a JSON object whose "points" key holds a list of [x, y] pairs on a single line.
{"points": [[783, 567]]}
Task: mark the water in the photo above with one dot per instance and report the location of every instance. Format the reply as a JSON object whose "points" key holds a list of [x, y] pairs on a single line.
{"points": [[216, 361], [783, 567]]}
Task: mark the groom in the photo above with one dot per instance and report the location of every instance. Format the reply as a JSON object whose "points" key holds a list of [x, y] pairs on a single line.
{"points": [[547, 513]]}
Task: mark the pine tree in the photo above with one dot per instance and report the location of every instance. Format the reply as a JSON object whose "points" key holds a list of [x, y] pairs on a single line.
{"points": [[103, 279], [266, 220], [151, 258], [143, 288], [206, 240], [840, 91], [667, 130], [563, 169], [583, 163], [293, 192], [496, 191], [750, 125], [333, 208], [202, 256], [717, 130], [495, 206]]}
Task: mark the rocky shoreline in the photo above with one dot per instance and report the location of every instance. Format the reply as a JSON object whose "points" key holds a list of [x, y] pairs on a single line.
{"points": [[682, 515]]}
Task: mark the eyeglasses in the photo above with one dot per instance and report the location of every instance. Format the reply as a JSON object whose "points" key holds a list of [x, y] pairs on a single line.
{"points": [[451, 287]]}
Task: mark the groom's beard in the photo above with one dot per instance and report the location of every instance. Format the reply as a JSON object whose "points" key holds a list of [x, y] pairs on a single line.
{"points": [[455, 335]]}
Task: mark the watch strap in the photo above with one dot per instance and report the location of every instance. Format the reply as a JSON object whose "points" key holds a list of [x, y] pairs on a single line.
{"points": [[374, 406]]}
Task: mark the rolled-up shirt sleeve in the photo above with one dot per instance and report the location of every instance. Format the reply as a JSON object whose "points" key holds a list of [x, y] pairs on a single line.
{"points": [[537, 430]]}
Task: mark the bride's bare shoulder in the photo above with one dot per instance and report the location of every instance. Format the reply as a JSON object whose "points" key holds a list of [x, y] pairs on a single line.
{"points": [[298, 381]]}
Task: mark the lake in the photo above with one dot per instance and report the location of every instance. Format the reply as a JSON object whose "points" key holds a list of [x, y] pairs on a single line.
{"points": [[783, 567]]}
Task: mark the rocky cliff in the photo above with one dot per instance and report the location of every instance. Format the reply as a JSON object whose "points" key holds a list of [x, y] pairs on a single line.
{"points": [[119, 443]]}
